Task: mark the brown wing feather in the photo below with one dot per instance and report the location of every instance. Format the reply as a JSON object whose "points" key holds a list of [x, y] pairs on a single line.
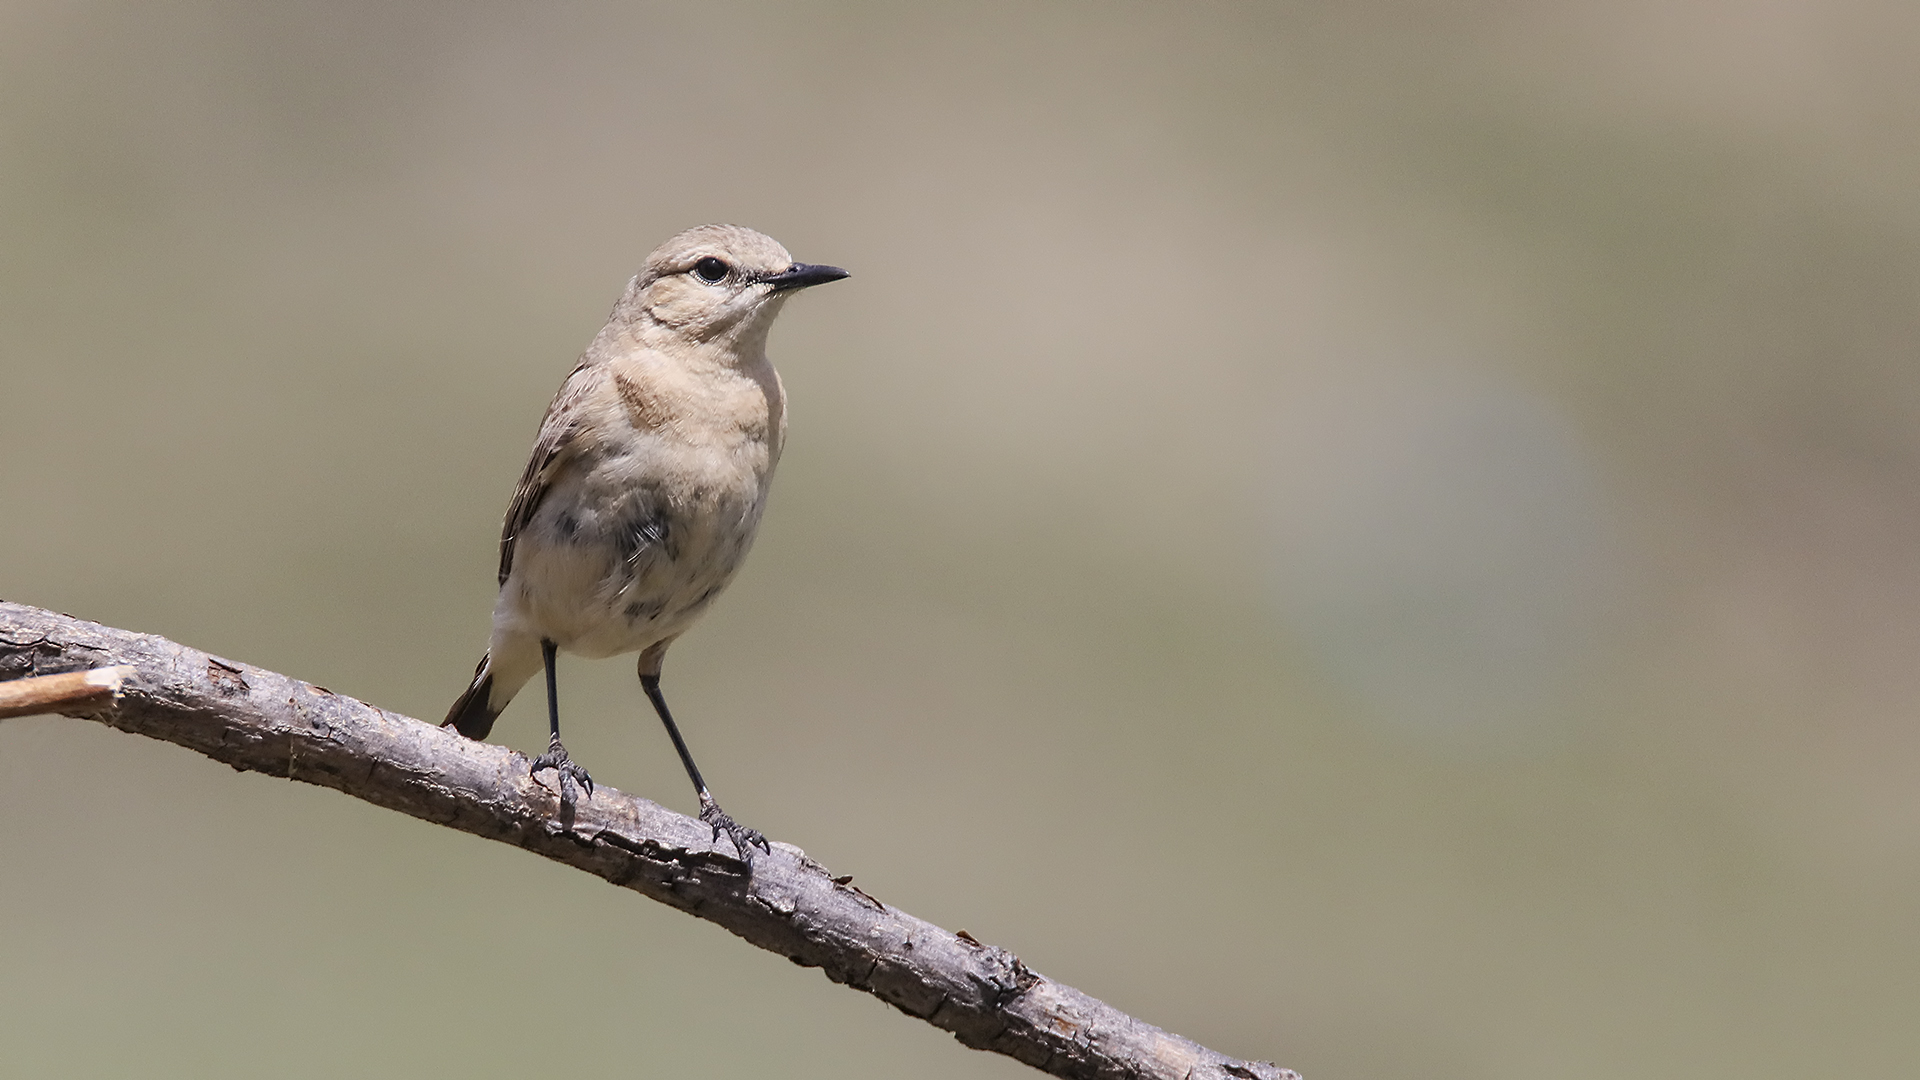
{"points": [[550, 453]]}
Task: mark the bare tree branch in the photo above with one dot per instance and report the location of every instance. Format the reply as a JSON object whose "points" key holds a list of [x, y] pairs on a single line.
{"points": [[259, 721]]}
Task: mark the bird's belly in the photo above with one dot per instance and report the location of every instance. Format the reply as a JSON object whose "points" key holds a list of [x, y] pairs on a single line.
{"points": [[604, 577]]}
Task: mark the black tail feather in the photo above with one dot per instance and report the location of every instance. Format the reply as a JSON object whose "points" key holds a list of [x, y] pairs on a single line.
{"points": [[470, 715]]}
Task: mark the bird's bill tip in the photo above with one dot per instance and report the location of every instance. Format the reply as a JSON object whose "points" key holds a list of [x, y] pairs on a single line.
{"points": [[802, 275]]}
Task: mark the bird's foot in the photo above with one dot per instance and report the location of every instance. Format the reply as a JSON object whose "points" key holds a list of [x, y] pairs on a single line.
{"points": [[743, 838], [556, 759]]}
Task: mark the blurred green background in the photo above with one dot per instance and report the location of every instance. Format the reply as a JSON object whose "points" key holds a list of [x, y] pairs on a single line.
{"points": [[1379, 536]]}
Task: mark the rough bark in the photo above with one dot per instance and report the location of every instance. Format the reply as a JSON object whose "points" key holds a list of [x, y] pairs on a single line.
{"points": [[256, 720]]}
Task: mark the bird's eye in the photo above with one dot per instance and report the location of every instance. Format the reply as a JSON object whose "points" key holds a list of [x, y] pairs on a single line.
{"points": [[710, 270]]}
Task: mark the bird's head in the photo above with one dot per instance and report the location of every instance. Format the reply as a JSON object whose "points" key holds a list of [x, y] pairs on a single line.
{"points": [[719, 283]]}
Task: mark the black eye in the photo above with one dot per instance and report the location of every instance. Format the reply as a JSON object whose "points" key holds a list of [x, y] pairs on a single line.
{"points": [[710, 270]]}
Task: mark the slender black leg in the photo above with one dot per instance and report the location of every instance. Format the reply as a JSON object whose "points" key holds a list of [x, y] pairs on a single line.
{"points": [[743, 838], [556, 756], [547, 658]]}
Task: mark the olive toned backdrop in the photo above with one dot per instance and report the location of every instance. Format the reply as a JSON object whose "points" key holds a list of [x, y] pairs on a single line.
{"points": [[1381, 536]]}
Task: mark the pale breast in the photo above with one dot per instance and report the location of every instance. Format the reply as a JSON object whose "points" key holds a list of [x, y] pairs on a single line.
{"points": [[638, 535]]}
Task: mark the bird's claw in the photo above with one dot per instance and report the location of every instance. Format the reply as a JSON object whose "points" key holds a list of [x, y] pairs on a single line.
{"points": [[743, 838], [556, 759]]}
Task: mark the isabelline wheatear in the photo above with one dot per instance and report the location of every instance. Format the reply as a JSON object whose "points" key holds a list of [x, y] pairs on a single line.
{"points": [[646, 483]]}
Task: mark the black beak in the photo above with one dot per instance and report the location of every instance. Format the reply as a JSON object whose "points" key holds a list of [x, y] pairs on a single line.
{"points": [[801, 275]]}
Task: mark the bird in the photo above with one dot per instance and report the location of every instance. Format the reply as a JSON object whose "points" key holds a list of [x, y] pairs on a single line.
{"points": [[645, 486]]}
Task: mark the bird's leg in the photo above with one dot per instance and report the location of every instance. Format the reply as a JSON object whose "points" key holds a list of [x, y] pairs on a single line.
{"points": [[743, 838], [556, 756]]}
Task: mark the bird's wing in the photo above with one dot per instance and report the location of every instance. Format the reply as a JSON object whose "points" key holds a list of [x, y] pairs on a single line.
{"points": [[550, 454]]}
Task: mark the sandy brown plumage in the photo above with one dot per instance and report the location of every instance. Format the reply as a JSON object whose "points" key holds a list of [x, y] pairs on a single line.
{"points": [[647, 480]]}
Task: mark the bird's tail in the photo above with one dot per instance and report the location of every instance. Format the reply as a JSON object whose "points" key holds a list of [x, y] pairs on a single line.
{"points": [[473, 713]]}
